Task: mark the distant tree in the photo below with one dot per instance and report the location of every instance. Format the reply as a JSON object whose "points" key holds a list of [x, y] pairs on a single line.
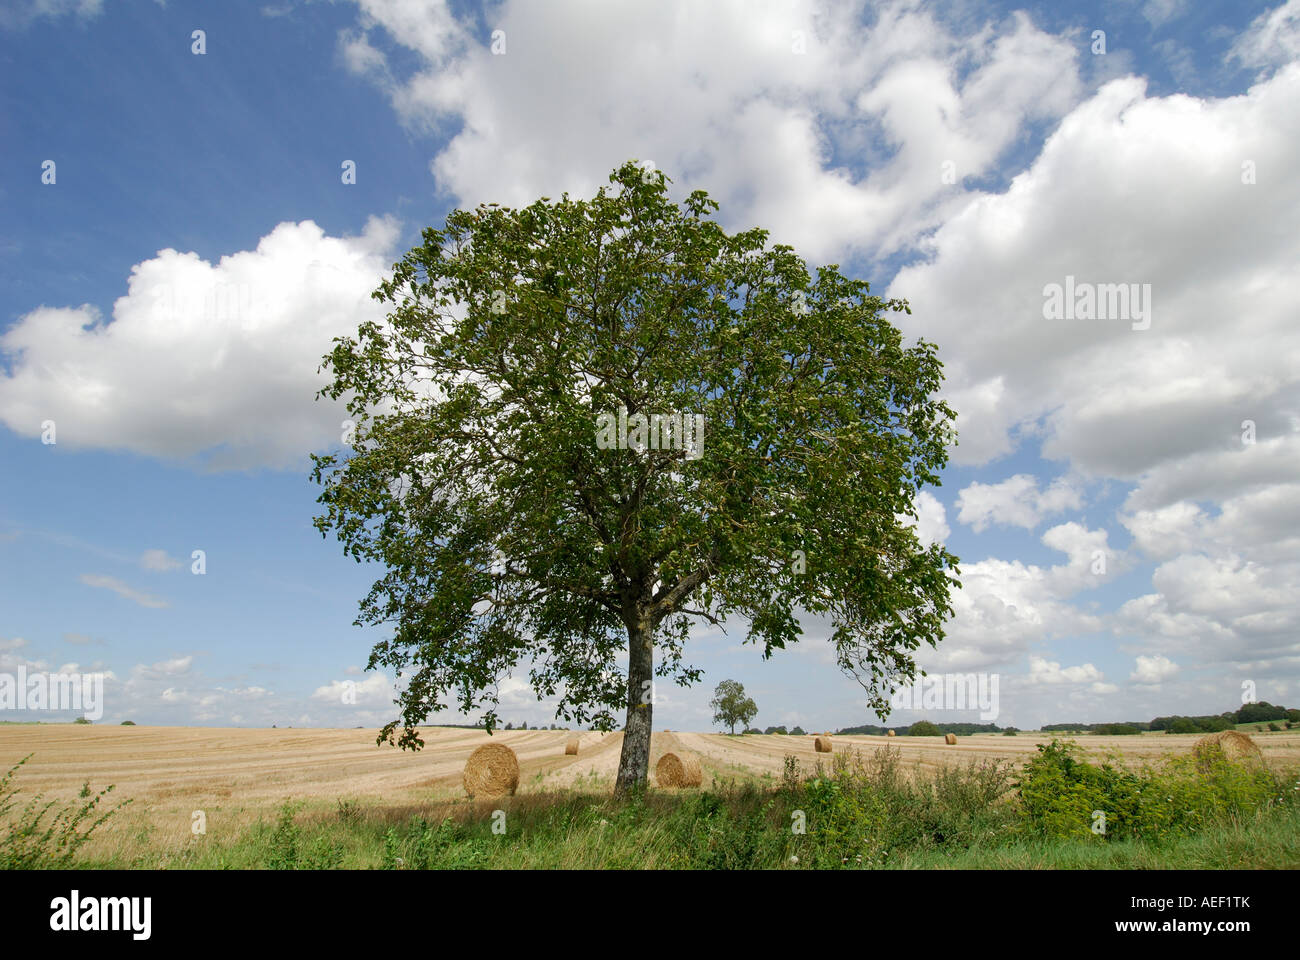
{"points": [[771, 730], [798, 732], [128, 723], [510, 726], [524, 725], [1010, 732], [731, 706], [81, 720], [1183, 725], [924, 728]]}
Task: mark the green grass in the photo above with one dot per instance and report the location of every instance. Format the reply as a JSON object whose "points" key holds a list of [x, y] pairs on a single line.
{"points": [[862, 812]]}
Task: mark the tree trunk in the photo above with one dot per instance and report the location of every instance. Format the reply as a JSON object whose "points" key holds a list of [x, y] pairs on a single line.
{"points": [[634, 763]]}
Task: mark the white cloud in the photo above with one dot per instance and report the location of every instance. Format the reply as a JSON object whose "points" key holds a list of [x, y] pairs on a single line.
{"points": [[19, 13], [1273, 38], [730, 106], [122, 590], [159, 561], [1107, 201], [1153, 671], [1043, 671], [931, 521], [1004, 607], [375, 691], [1016, 502], [204, 360]]}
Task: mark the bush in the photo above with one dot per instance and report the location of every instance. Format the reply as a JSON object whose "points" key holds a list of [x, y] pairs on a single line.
{"points": [[924, 728], [1010, 732], [32, 841], [863, 812], [128, 723], [81, 720], [1059, 793]]}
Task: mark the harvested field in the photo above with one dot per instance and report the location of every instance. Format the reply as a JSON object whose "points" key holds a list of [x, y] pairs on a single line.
{"points": [[237, 776]]}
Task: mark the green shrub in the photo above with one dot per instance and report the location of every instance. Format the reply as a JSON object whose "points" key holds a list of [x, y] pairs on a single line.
{"points": [[924, 728], [1059, 793]]}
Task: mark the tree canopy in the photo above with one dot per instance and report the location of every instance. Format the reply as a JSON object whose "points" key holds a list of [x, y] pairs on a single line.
{"points": [[528, 466]]}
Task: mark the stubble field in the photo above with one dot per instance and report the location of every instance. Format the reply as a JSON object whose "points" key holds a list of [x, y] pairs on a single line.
{"points": [[238, 777]]}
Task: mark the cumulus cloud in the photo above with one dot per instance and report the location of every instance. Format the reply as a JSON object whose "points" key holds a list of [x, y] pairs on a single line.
{"points": [[1043, 671], [201, 360], [1016, 501], [1005, 607], [1106, 201], [1153, 671], [735, 107]]}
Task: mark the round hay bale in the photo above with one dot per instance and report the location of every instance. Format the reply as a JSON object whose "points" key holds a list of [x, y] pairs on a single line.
{"points": [[571, 747], [891, 733], [1232, 745], [823, 744], [950, 738], [492, 771], [678, 770]]}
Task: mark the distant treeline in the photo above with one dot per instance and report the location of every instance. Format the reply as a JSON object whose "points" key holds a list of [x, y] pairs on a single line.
{"points": [[1262, 712], [923, 728]]}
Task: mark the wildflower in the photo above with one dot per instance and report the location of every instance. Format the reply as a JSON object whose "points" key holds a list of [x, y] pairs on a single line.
{"points": [[794, 859]]}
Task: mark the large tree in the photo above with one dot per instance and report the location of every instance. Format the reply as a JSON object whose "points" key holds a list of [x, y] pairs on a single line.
{"points": [[488, 475]]}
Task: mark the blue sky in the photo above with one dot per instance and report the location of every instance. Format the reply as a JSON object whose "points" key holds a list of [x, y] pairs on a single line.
{"points": [[166, 301]]}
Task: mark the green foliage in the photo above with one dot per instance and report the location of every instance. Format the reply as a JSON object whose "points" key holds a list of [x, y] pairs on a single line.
{"points": [[798, 732], [128, 723], [863, 812], [507, 534], [286, 849], [84, 720], [1010, 732], [1117, 730], [924, 728], [1059, 793], [731, 706], [46, 835]]}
